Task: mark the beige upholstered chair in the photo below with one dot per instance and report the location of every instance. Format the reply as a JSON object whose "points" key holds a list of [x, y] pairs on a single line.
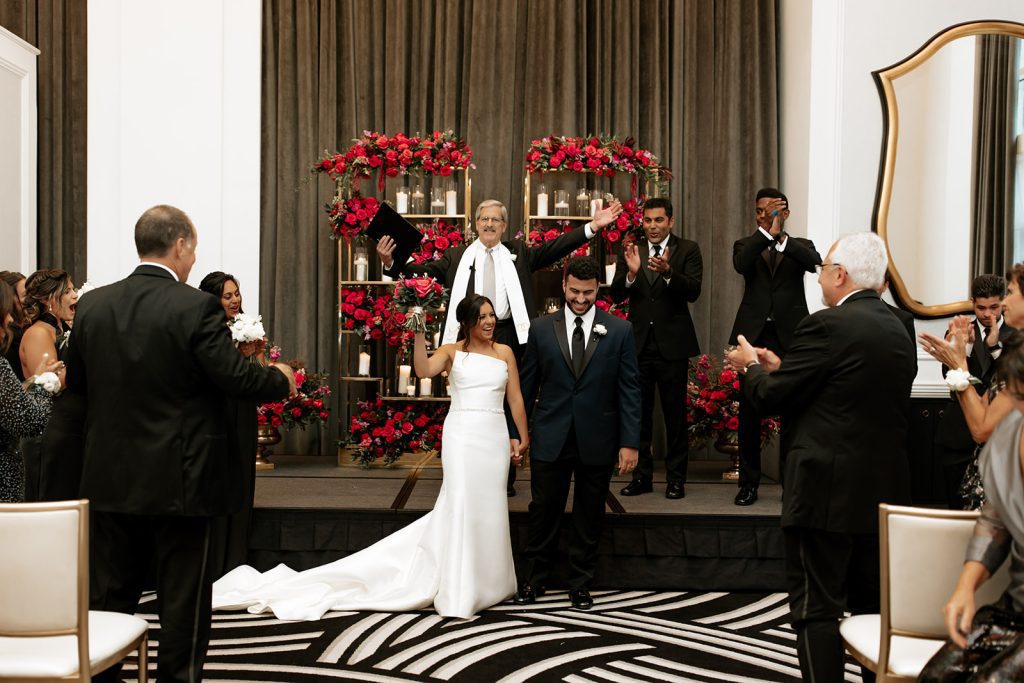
{"points": [[46, 629], [922, 553]]}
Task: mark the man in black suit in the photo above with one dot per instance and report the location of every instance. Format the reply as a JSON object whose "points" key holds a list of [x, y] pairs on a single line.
{"points": [[843, 390], [987, 332], [773, 265], [500, 269], [155, 363], [583, 361], [661, 276]]}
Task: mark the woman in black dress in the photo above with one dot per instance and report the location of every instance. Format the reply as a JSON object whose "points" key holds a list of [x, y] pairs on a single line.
{"points": [[229, 540]]}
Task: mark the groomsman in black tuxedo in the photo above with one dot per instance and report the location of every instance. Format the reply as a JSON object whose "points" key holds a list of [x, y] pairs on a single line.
{"points": [[586, 420], [988, 330], [843, 391], [155, 363], [500, 269], [661, 276], [773, 266]]}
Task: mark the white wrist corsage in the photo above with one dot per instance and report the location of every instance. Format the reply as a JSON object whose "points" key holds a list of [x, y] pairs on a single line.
{"points": [[48, 382], [958, 380], [600, 330]]}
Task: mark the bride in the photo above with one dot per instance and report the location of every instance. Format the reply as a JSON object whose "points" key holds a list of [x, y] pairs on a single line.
{"points": [[458, 557]]}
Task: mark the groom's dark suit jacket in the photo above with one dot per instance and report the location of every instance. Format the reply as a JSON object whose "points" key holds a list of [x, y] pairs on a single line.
{"points": [[155, 361], [602, 405], [843, 390], [527, 260]]}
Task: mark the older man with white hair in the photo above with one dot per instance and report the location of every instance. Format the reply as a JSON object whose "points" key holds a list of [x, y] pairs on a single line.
{"points": [[843, 392]]}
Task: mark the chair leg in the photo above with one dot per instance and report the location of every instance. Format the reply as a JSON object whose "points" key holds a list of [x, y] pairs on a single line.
{"points": [[144, 658]]}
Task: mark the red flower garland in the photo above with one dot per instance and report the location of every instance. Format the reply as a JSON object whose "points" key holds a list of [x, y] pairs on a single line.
{"points": [[602, 155], [437, 237], [351, 217], [384, 430]]}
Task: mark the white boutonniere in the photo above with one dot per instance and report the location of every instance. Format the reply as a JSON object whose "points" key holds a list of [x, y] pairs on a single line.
{"points": [[48, 382], [63, 339], [958, 380], [600, 330], [513, 257]]}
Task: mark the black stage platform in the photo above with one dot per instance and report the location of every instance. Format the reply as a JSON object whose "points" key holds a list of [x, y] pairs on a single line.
{"points": [[310, 511]]}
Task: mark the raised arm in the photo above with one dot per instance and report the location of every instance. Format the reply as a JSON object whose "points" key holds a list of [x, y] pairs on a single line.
{"points": [[746, 251], [803, 252], [430, 366]]}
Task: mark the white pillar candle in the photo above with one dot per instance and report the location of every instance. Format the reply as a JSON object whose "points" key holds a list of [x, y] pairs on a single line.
{"points": [[609, 273], [451, 199], [426, 386], [403, 377], [561, 205], [364, 364], [402, 201], [410, 389], [542, 204], [361, 263]]}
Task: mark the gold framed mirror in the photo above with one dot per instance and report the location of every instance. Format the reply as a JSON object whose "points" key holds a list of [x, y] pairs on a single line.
{"points": [[949, 187]]}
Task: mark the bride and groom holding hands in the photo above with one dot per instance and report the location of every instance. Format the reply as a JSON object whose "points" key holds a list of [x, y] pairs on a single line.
{"points": [[580, 365]]}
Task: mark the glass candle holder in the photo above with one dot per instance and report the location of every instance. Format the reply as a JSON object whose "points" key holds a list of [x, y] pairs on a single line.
{"points": [[437, 201], [582, 202], [561, 202], [542, 200], [360, 264], [416, 199]]}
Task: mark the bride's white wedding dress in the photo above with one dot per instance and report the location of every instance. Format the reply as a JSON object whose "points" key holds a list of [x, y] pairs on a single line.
{"points": [[458, 557]]}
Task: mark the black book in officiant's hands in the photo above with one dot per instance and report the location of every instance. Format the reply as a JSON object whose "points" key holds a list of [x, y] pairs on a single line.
{"points": [[389, 222]]}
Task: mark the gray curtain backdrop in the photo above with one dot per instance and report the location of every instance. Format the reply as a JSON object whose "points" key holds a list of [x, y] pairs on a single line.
{"points": [[58, 29], [994, 154], [694, 81]]}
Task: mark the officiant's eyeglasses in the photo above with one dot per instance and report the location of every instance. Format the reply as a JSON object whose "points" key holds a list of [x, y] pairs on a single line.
{"points": [[822, 266], [491, 219]]}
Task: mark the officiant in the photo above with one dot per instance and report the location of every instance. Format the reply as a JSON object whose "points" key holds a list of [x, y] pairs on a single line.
{"points": [[499, 269]]}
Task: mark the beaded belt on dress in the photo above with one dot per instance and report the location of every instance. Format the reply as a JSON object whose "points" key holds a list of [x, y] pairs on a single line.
{"points": [[479, 410]]}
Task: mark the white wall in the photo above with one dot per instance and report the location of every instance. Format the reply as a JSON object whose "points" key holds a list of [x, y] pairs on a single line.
{"points": [[832, 159], [174, 118], [18, 148]]}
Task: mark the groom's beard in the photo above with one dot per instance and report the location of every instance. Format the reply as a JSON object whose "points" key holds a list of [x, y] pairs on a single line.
{"points": [[590, 304]]}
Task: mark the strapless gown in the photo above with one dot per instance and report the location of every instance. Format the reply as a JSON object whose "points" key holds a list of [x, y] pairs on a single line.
{"points": [[456, 558]]}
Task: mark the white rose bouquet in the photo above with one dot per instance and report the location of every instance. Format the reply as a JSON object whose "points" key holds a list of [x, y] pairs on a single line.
{"points": [[246, 328]]}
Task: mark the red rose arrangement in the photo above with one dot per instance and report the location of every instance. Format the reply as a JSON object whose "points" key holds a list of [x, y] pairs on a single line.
{"points": [[439, 153], [383, 430], [363, 312], [308, 407], [602, 155], [617, 307], [712, 402], [417, 301], [437, 237], [629, 225], [351, 217]]}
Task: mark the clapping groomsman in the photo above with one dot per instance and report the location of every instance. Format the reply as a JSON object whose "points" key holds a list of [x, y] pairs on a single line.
{"points": [[773, 265], [661, 275]]}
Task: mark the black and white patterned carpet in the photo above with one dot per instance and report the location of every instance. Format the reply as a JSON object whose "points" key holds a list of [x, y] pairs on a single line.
{"points": [[628, 636]]}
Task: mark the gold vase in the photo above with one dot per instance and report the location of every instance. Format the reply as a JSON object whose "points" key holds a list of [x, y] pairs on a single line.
{"points": [[729, 443], [266, 436]]}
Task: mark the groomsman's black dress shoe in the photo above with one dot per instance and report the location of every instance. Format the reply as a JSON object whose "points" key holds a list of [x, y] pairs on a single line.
{"points": [[581, 598], [527, 594], [746, 496], [636, 487], [511, 491], [675, 490]]}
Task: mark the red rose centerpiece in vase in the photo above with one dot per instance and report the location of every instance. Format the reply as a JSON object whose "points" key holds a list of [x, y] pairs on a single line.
{"points": [[309, 406]]}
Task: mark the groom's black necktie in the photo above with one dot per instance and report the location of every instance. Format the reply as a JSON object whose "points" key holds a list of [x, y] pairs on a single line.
{"points": [[578, 347]]}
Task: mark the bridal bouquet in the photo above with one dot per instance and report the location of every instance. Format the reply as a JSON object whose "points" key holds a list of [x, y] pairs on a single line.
{"points": [[246, 328], [417, 301]]}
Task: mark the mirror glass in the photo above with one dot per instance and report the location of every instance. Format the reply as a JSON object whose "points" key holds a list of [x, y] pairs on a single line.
{"points": [[953, 166]]}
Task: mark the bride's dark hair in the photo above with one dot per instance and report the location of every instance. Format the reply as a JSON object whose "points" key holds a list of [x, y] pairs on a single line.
{"points": [[467, 313]]}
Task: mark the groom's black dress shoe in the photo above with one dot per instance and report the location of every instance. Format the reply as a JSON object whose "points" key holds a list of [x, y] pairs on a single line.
{"points": [[580, 598], [636, 487], [527, 594], [675, 490], [746, 496]]}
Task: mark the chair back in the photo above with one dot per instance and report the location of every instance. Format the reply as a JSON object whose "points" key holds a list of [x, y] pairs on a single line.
{"points": [[922, 553], [44, 572]]}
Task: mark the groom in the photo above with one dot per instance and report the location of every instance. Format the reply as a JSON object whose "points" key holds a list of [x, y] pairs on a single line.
{"points": [[586, 420]]}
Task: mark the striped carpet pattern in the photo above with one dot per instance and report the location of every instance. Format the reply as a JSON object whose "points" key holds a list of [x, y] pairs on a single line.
{"points": [[627, 636]]}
